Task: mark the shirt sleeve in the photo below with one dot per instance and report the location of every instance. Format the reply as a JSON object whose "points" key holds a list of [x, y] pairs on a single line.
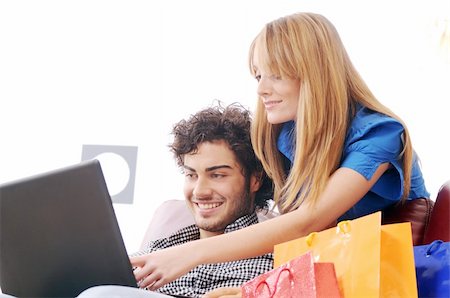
{"points": [[371, 142]]}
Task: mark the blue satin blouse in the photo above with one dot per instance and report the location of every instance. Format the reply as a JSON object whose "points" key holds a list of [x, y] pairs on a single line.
{"points": [[371, 140]]}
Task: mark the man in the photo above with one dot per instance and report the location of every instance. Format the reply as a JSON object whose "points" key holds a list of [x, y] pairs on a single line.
{"points": [[224, 187]]}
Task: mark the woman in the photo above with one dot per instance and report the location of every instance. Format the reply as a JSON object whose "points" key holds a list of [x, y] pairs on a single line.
{"points": [[332, 149]]}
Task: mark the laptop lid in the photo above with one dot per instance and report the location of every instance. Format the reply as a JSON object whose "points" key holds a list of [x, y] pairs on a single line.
{"points": [[59, 234]]}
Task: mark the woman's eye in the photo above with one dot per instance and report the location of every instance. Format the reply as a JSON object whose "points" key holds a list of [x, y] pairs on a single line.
{"points": [[258, 77]]}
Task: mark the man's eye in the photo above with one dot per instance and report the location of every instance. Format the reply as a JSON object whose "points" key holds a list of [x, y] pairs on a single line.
{"points": [[217, 175]]}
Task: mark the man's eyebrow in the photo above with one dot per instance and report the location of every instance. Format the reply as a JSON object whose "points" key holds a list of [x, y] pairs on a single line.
{"points": [[208, 169], [218, 167], [189, 168]]}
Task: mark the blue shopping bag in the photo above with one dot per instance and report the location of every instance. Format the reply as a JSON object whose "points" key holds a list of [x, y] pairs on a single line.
{"points": [[433, 269]]}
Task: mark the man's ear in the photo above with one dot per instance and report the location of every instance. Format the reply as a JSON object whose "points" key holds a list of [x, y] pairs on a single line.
{"points": [[255, 182]]}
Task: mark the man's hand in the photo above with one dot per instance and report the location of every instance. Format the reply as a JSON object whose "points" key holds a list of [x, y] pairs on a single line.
{"points": [[228, 292], [158, 268]]}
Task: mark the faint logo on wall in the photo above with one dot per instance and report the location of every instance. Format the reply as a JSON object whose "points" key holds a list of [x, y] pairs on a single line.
{"points": [[119, 168]]}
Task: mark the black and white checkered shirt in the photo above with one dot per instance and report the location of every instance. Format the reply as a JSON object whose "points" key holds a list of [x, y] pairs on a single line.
{"points": [[205, 278]]}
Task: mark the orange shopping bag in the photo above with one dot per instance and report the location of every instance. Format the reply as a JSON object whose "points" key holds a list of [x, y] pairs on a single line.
{"points": [[300, 277], [398, 271], [371, 260]]}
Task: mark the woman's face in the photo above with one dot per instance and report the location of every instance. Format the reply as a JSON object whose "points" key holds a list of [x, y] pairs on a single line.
{"points": [[279, 95]]}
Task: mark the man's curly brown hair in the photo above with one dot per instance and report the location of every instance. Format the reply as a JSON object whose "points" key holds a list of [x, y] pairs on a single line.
{"points": [[230, 124]]}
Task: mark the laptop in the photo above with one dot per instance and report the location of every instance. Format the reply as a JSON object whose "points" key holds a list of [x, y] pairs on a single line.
{"points": [[59, 234]]}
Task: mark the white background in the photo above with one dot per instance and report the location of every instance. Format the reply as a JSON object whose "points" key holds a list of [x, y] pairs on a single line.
{"points": [[123, 72]]}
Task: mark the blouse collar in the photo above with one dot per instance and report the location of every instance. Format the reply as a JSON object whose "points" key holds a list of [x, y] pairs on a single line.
{"points": [[286, 140]]}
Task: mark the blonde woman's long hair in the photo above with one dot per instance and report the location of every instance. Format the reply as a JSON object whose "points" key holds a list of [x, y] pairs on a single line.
{"points": [[307, 47]]}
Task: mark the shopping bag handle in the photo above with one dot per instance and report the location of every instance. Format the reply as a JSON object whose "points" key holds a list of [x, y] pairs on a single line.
{"points": [[433, 247], [343, 227], [264, 282]]}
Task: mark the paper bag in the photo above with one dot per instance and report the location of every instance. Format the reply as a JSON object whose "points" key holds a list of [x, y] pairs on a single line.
{"points": [[300, 277], [370, 260]]}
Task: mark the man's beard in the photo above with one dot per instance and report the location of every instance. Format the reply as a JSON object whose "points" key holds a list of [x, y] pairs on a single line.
{"points": [[242, 206]]}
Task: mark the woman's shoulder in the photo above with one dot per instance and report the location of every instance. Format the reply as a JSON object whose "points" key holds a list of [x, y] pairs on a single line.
{"points": [[373, 138], [369, 122]]}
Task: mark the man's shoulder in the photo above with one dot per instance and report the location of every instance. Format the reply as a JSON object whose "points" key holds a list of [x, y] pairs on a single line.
{"points": [[266, 213], [251, 219], [186, 234]]}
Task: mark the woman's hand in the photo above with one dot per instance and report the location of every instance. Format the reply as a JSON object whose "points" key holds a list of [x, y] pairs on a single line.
{"points": [[158, 268], [228, 292]]}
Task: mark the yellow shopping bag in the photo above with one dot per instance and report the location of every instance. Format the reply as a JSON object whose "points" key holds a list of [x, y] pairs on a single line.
{"points": [[371, 260], [398, 272]]}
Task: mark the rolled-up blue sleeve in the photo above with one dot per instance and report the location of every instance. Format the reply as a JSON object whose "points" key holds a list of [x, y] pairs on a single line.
{"points": [[373, 140]]}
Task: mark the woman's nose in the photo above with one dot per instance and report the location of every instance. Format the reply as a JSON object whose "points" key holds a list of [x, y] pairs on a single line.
{"points": [[264, 87]]}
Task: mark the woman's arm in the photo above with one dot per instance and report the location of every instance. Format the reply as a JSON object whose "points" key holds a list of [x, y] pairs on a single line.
{"points": [[344, 189]]}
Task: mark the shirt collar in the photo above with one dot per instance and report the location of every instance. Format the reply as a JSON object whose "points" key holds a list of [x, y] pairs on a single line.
{"points": [[192, 232], [242, 222]]}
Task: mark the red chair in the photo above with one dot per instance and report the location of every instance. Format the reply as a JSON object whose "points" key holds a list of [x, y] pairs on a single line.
{"points": [[429, 219], [439, 226]]}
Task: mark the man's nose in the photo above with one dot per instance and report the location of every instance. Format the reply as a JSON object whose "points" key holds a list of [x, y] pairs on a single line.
{"points": [[202, 188]]}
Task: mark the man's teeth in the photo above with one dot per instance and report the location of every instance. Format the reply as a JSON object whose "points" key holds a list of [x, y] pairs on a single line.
{"points": [[208, 206]]}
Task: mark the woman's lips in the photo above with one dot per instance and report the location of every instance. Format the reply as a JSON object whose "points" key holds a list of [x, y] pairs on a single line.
{"points": [[271, 103]]}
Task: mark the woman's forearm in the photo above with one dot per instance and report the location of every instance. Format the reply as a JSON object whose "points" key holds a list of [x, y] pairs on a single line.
{"points": [[248, 242], [343, 190]]}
